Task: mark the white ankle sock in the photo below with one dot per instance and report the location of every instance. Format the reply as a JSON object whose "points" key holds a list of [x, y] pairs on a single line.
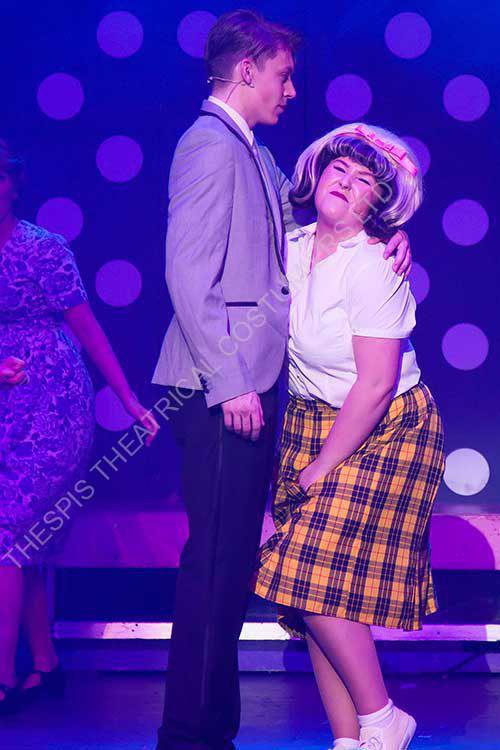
{"points": [[346, 743], [380, 718]]}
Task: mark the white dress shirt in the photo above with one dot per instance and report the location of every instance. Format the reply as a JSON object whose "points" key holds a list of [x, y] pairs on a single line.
{"points": [[353, 292], [234, 115]]}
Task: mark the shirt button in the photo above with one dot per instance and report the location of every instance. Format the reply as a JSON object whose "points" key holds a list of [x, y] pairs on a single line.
{"points": [[285, 290]]}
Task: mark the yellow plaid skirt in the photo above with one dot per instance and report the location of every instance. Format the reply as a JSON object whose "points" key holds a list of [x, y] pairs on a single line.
{"points": [[355, 545]]}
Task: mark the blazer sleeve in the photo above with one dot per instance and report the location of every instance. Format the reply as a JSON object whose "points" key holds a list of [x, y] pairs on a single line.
{"points": [[201, 192]]}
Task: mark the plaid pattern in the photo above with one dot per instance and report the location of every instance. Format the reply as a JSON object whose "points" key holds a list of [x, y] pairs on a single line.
{"points": [[356, 544]]}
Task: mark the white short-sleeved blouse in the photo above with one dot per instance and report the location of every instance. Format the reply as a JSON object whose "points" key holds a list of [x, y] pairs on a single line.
{"points": [[353, 292]]}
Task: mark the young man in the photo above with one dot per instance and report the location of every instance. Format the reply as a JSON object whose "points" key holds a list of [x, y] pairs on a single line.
{"points": [[221, 359]]}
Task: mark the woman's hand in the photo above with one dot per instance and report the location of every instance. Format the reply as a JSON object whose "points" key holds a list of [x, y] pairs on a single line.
{"points": [[12, 371], [86, 328], [312, 473], [142, 415]]}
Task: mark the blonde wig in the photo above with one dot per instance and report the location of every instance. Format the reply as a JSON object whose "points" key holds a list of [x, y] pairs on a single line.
{"points": [[399, 177]]}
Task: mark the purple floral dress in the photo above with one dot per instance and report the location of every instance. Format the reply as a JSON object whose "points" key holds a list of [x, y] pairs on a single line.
{"points": [[47, 424]]}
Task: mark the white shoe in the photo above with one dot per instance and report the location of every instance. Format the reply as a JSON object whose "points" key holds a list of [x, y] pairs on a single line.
{"points": [[396, 736]]}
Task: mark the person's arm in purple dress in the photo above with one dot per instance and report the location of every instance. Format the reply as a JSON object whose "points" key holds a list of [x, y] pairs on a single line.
{"points": [[60, 280]]}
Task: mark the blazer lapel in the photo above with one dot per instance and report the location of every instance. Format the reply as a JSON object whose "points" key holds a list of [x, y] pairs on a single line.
{"points": [[209, 109]]}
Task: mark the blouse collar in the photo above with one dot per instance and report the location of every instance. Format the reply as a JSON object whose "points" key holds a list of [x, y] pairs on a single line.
{"points": [[306, 232]]}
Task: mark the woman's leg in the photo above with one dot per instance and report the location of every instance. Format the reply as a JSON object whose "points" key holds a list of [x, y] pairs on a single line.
{"points": [[11, 596], [350, 649], [338, 704], [36, 624]]}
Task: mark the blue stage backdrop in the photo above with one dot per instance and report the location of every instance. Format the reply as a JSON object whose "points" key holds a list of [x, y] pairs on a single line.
{"points": [[96, 95]]}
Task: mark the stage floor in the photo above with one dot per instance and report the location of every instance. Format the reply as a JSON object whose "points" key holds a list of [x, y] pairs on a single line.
{"points": [[120, 711]]}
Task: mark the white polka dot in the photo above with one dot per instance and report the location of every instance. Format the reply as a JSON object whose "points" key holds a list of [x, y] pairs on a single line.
{"points": [[408, 35], [465, 346], [61, 216], [419, 282], [465, 222], [109, 411], [467, 472], [193, 31], [118, 283], [466, 98], [60, 96], [420, 150], [119, 158], [349, 97], [120, 34]]}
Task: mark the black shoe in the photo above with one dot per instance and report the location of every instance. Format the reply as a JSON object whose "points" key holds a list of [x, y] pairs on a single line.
{"points": [[51, 683], [10, 703]]}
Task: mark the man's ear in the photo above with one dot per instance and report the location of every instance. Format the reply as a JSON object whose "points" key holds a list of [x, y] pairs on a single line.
{"points": [[247, 72]]}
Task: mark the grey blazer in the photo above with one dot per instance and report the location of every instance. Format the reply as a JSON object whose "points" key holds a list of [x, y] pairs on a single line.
{"points": [[225, 263]]}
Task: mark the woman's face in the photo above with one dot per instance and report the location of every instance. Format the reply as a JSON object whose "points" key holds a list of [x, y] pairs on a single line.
{"points": [[8, 194], [346, 194]]}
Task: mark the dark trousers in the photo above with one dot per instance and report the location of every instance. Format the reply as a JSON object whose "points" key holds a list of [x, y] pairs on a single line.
{"points": [[225, 484]]}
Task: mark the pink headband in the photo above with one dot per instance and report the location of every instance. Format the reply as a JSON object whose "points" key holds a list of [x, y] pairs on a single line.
{"points": [[396, 153]]}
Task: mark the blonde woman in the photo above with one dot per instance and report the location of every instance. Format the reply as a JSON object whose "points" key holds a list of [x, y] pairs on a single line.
{"points": [[362, 446]]}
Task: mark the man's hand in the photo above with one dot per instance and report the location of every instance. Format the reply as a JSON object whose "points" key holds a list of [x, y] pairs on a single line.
{"points": [[244, 415], [398, 245]]}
